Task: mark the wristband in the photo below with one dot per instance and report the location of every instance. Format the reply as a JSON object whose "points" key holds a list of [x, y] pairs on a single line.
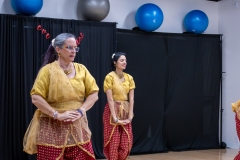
{"points": [[55, 114], [79, 110], [116, 120]]}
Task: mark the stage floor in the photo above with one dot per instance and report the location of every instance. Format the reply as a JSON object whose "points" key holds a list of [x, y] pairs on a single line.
{"points": [[210, 154]]}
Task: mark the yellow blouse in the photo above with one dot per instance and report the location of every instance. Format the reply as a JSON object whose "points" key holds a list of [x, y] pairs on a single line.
{"points": [[127, 85], [57, 87]]}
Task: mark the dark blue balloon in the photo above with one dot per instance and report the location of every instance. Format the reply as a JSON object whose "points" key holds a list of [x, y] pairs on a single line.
{"points": [[27, 7], [149, 17], [196, 21]]}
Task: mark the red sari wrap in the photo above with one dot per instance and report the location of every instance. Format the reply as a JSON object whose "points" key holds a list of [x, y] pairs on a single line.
{"points": [[118, 139]]}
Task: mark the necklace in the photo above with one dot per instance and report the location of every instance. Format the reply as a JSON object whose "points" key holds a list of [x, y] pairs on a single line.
{"points": [[68, 71]]}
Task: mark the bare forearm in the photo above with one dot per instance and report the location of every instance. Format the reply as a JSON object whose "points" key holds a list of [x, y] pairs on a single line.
{"points": [[89, 102], [42, 105], [111, 104], [111, 107], [131, 104]]}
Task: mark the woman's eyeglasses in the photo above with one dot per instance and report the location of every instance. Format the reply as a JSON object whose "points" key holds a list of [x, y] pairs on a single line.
{"points": [[71, 48]]}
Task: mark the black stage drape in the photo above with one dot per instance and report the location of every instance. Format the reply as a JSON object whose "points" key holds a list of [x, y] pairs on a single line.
{"points": [[22, 47], [177, 92]]}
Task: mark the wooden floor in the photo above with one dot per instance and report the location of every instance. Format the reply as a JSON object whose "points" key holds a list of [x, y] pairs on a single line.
{"points": [[211, 154]]}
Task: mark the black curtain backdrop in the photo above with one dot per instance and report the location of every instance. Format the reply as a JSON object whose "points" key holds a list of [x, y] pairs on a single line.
{"points": [[22, 47], [177, 92]]}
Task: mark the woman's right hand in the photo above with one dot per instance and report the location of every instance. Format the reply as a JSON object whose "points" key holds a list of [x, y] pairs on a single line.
{"points": [[69, 116]]}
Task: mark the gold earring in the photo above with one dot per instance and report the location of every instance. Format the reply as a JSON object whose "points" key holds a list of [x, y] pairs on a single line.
{"points": [[58, 54]]}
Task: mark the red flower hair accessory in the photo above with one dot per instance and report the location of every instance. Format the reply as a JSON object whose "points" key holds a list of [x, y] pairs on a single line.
{"points": [[44, 31], [80, 38]]}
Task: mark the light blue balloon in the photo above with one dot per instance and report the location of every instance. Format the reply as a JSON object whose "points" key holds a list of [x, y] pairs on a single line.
{"points": [[27, 7], [149, 17], [196, 21]]}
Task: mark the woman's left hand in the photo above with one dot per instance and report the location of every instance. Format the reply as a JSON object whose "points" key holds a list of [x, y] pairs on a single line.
{"points": [[73, 119], [126, 121], [129, 120]]}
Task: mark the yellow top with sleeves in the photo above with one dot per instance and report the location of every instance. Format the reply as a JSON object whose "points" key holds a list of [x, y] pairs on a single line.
{"points": [[55, 87], [119, 90], [62, 94]]}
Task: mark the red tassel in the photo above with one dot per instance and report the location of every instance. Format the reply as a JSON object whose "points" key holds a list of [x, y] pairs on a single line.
{"points": [[39, 27], [44, 31], [47, 36], [79, 39]]}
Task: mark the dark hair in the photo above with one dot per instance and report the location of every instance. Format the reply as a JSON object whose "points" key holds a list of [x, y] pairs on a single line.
{"points": [[51, 55], [115, 58]]}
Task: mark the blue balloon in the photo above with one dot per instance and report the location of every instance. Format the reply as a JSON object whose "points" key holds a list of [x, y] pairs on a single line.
{"points": [[196, 21], [149, 17], [27, 7]]}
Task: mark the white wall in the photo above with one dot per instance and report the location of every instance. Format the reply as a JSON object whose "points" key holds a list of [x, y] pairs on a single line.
{"points": [[229, 25], [224, 18]]}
